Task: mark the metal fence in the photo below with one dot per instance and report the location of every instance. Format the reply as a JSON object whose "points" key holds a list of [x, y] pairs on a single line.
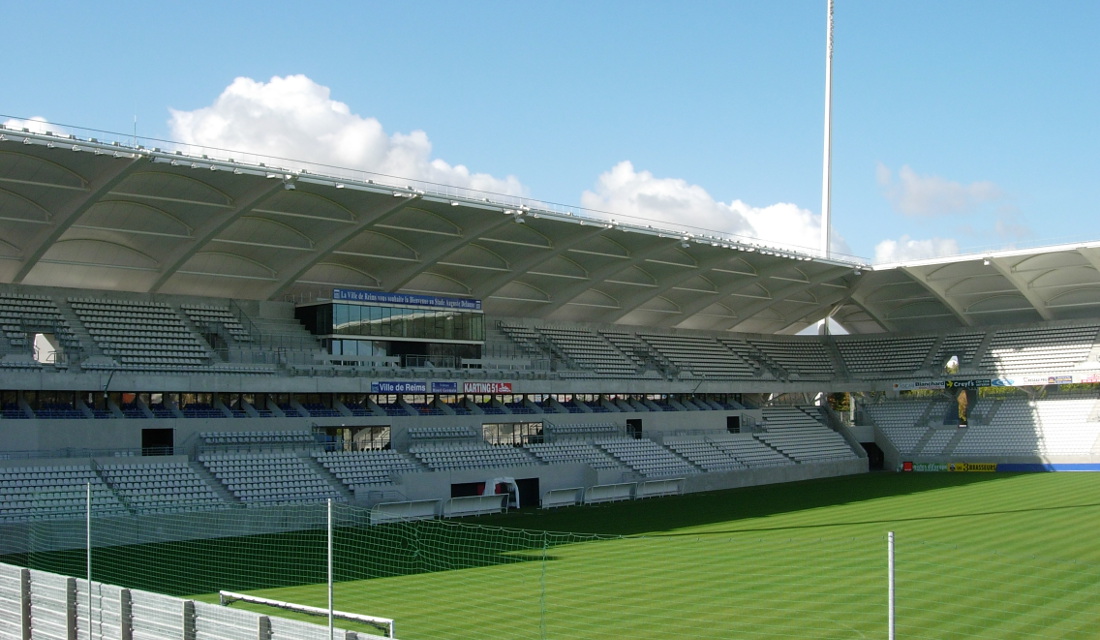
{"points": [[46, 606]]}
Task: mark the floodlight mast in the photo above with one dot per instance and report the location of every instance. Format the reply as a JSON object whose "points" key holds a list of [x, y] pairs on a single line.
{"points": [[827, 161]]}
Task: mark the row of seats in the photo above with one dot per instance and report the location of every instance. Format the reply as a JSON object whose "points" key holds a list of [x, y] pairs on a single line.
{"points": [[616, 353], [219, 480]]}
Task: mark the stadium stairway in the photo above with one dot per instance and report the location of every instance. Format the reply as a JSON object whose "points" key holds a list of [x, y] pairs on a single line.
{"points": [[328, 476], [223, 492]]}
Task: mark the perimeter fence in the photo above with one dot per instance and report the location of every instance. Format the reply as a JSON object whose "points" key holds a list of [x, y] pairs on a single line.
{"points": [[445, 579]]}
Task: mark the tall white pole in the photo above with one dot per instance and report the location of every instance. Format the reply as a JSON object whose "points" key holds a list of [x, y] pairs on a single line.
{"points": [[88, 552], [330, 604], [890, 587], [827, 161]]}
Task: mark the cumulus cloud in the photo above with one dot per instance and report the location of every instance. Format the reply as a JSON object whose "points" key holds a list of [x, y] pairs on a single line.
{"points": [[907, 249], [294, 117], [624, 192], [37, 124], [924, 195]]}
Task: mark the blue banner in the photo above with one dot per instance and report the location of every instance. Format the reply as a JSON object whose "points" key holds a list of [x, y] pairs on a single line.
{"points": [[382, 297], [444, 387], [398, 386]]}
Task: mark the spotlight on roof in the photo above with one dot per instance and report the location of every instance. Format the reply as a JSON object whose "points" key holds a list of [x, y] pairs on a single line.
{"points": [[684, 244], [857, 272], [985, 261]]}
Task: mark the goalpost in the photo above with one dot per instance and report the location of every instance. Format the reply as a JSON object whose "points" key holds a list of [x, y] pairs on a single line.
{"points": [[384, 624]]}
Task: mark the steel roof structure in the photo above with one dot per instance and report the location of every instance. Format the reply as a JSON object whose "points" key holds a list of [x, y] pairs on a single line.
{"points": [[77, 212]]}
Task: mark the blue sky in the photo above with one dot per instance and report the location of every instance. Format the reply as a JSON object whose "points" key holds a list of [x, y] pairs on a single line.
{"points": [[958, 126]]}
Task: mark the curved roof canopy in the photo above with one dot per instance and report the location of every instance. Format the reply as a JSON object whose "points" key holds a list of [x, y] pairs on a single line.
{"points": [[84, 214]]}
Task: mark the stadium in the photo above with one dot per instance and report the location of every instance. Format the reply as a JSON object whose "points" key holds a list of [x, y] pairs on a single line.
{"points": [[201, 347]]}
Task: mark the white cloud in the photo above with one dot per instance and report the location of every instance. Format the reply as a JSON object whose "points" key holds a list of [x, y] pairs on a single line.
{"points": [[293, 117], [636, 196], [37, 124], [922, 195], [906, 249]]}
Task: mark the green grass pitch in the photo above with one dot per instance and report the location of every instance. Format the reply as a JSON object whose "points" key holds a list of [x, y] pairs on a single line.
{"points": [[978, 556]]}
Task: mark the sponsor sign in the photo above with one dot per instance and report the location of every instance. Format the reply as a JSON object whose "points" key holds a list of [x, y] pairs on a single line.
{"points": [[444, 387], [486, 388], [964, 467], [912, 385], [972, 383], [929, 466], [382, 297], [398, 386], [956, 467]]}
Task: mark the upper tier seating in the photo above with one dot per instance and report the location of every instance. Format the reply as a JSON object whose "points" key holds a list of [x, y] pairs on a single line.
{"points": [[23, 314], [808, 359], [879, 357], [963, 346], [137, 334], [208, 316], [702, 356], [588, 350], [1039, 349]]}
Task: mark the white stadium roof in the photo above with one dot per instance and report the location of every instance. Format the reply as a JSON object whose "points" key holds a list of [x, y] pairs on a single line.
{"points": [[86, 214]]}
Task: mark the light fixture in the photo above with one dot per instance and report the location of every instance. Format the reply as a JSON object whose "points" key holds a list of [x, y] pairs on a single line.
{"points": [[985, 261], [857, 272], [339, 185], [684, 244]]}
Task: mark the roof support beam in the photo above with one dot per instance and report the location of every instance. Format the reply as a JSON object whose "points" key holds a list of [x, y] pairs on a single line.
{"points": [[323, 248], [763, 273], [65, 217], [212, 227], [532, 260], [786, 291], [566, 294], [936, 290], [440, 249], [1024, 288]]}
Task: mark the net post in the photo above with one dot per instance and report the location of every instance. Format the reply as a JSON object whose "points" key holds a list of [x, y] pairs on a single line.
{"points": [[330, 603], [890, 584], [88, 551]]}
